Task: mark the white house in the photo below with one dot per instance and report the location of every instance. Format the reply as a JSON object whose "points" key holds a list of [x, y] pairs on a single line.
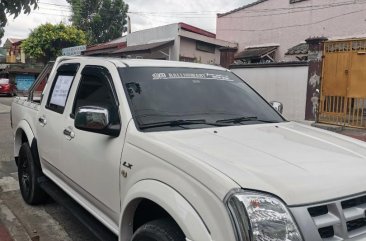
{"points": [[178, 41]]}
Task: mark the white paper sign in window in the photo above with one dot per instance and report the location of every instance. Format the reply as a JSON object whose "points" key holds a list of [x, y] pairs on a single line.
{"points": [[61, 90]]}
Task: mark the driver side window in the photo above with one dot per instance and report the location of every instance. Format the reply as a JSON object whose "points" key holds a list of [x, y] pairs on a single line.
{"points": [[96, 89]]}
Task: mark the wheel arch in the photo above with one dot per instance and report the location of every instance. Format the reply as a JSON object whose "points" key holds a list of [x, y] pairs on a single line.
{"points": [[169, 200], [24, 134]]}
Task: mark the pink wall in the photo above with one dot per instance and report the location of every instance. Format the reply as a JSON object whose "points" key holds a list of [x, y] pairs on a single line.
{"points": [[279, 22]]}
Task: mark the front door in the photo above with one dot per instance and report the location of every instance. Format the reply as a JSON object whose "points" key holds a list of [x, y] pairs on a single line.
{"points": [[96, 156]]}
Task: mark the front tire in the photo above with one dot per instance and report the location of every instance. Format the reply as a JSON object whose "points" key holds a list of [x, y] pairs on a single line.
{"points": [[159, 230], [28, 174]]}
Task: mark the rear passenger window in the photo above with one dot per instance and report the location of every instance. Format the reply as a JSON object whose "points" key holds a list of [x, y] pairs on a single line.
{"points": [[36, 90], [61, 87], [96, 89]]}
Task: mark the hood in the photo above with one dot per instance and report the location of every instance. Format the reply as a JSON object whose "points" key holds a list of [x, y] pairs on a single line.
{"points": [[299, 164]]}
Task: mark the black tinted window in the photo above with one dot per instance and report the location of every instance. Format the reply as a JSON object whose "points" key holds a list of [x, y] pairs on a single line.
{"points": [[95, 89], [165, 94]]}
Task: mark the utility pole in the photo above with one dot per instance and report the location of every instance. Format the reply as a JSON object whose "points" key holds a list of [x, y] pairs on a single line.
{"points": [[129, 25]]}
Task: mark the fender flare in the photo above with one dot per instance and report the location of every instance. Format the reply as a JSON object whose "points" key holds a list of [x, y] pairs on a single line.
{"points": [[24, 126], [171, 201]]}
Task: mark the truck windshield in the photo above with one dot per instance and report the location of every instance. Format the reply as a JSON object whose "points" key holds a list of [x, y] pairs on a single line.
{"points": [[188, 98]]}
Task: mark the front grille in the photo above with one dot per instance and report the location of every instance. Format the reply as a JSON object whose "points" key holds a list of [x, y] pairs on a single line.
{"points": [[327, 232], [356, 224], [340, 220], [318, 211], [354, 202]]}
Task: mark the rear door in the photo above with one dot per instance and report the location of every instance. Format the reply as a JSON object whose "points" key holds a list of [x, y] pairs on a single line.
{"points": [[51, 118]]}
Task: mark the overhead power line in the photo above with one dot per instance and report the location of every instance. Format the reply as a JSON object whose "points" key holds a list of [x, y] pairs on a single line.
{"points": [[309, 7], [243, 16], [211, 15], [300, 9], [54, 4], [296, 25]]}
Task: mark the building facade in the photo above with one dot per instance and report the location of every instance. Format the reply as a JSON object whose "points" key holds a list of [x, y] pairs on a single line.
{"points": [[276, 30], [178, 42], [14, 51], [15, 66]]}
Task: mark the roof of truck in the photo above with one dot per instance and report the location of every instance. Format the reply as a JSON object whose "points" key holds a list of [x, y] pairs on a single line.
{"points": [[144, 62]]}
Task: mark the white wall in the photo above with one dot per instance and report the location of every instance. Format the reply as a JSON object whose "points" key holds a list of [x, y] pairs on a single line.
{"points": [[285, 84], [153, 35]]}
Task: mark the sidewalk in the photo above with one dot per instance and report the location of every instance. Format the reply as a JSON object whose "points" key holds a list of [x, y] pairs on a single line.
{"points": [[4, 109], [355, 133], [11, 228], [359, 134]]}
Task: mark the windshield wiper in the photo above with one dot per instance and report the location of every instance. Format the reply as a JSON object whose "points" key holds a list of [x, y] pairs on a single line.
{"points": [[174, 123], [241, 119]]}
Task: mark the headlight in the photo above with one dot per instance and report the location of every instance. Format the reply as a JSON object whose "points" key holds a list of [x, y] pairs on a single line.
{"points": [[261, 217]]}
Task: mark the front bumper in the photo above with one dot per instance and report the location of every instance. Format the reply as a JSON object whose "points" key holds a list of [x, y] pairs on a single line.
{"points": [[6, 91]]}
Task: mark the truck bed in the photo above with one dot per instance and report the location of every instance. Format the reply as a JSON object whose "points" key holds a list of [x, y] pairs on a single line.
{"points": [[24, 110]]}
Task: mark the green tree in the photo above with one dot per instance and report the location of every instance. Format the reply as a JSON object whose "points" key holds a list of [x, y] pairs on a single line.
{"points": [[46, 41], [101, 20], [14, 7]]}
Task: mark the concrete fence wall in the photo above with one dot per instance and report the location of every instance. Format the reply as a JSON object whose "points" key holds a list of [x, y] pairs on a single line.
{"points": [[284, 82]]}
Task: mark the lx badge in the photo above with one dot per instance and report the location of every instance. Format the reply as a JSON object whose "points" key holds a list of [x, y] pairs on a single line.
{"points": [[128, 165]]}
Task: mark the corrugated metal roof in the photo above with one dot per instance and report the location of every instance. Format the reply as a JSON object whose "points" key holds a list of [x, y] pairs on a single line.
{"points": [[103, 48], [302, 48], [257, 52], [22, 68]]}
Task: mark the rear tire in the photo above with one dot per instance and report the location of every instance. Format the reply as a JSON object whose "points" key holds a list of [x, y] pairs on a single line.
{"points": [[28, 174], [159, 230]]}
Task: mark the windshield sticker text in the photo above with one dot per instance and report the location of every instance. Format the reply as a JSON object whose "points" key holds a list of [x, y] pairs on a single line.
{"points": [[207, 76]]}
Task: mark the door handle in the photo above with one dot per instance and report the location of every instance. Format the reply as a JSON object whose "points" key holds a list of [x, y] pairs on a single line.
{"points": [[42, 121], [69, 133]]}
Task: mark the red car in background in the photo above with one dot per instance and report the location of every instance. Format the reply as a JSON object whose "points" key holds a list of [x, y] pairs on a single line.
{"points": [[6, 87]]}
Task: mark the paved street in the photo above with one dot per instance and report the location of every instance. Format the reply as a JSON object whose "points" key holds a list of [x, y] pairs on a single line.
{"points": [[45, 222]]}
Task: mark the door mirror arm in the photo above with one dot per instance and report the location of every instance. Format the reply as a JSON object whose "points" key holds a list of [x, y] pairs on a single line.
{"points": [[278, 106]]}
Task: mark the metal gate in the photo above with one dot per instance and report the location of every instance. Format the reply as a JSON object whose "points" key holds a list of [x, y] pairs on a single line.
{"points": [[343, 87]]}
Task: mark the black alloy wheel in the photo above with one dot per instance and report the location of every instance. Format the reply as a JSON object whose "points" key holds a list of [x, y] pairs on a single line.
{"points": [[28, 174]]}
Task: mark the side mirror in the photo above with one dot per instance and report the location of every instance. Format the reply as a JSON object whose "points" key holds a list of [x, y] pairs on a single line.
{"points": [[278, 106], [95, 119]]}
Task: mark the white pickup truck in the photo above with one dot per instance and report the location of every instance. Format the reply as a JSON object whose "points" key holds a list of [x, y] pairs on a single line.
{"points": [[171, 151]]}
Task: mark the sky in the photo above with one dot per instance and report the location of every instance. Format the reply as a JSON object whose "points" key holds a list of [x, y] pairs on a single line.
{"points": [[144, 14]]}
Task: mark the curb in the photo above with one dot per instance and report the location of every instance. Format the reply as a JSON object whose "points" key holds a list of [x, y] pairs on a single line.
{"points": [[12, 224], [328, 127]]}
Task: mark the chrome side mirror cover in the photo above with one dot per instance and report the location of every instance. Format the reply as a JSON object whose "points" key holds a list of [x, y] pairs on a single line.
{"points": [[95, 119], [278, 106]]}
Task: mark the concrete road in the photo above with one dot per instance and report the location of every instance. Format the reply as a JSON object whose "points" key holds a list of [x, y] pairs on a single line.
{"points": [[49, 222]]}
